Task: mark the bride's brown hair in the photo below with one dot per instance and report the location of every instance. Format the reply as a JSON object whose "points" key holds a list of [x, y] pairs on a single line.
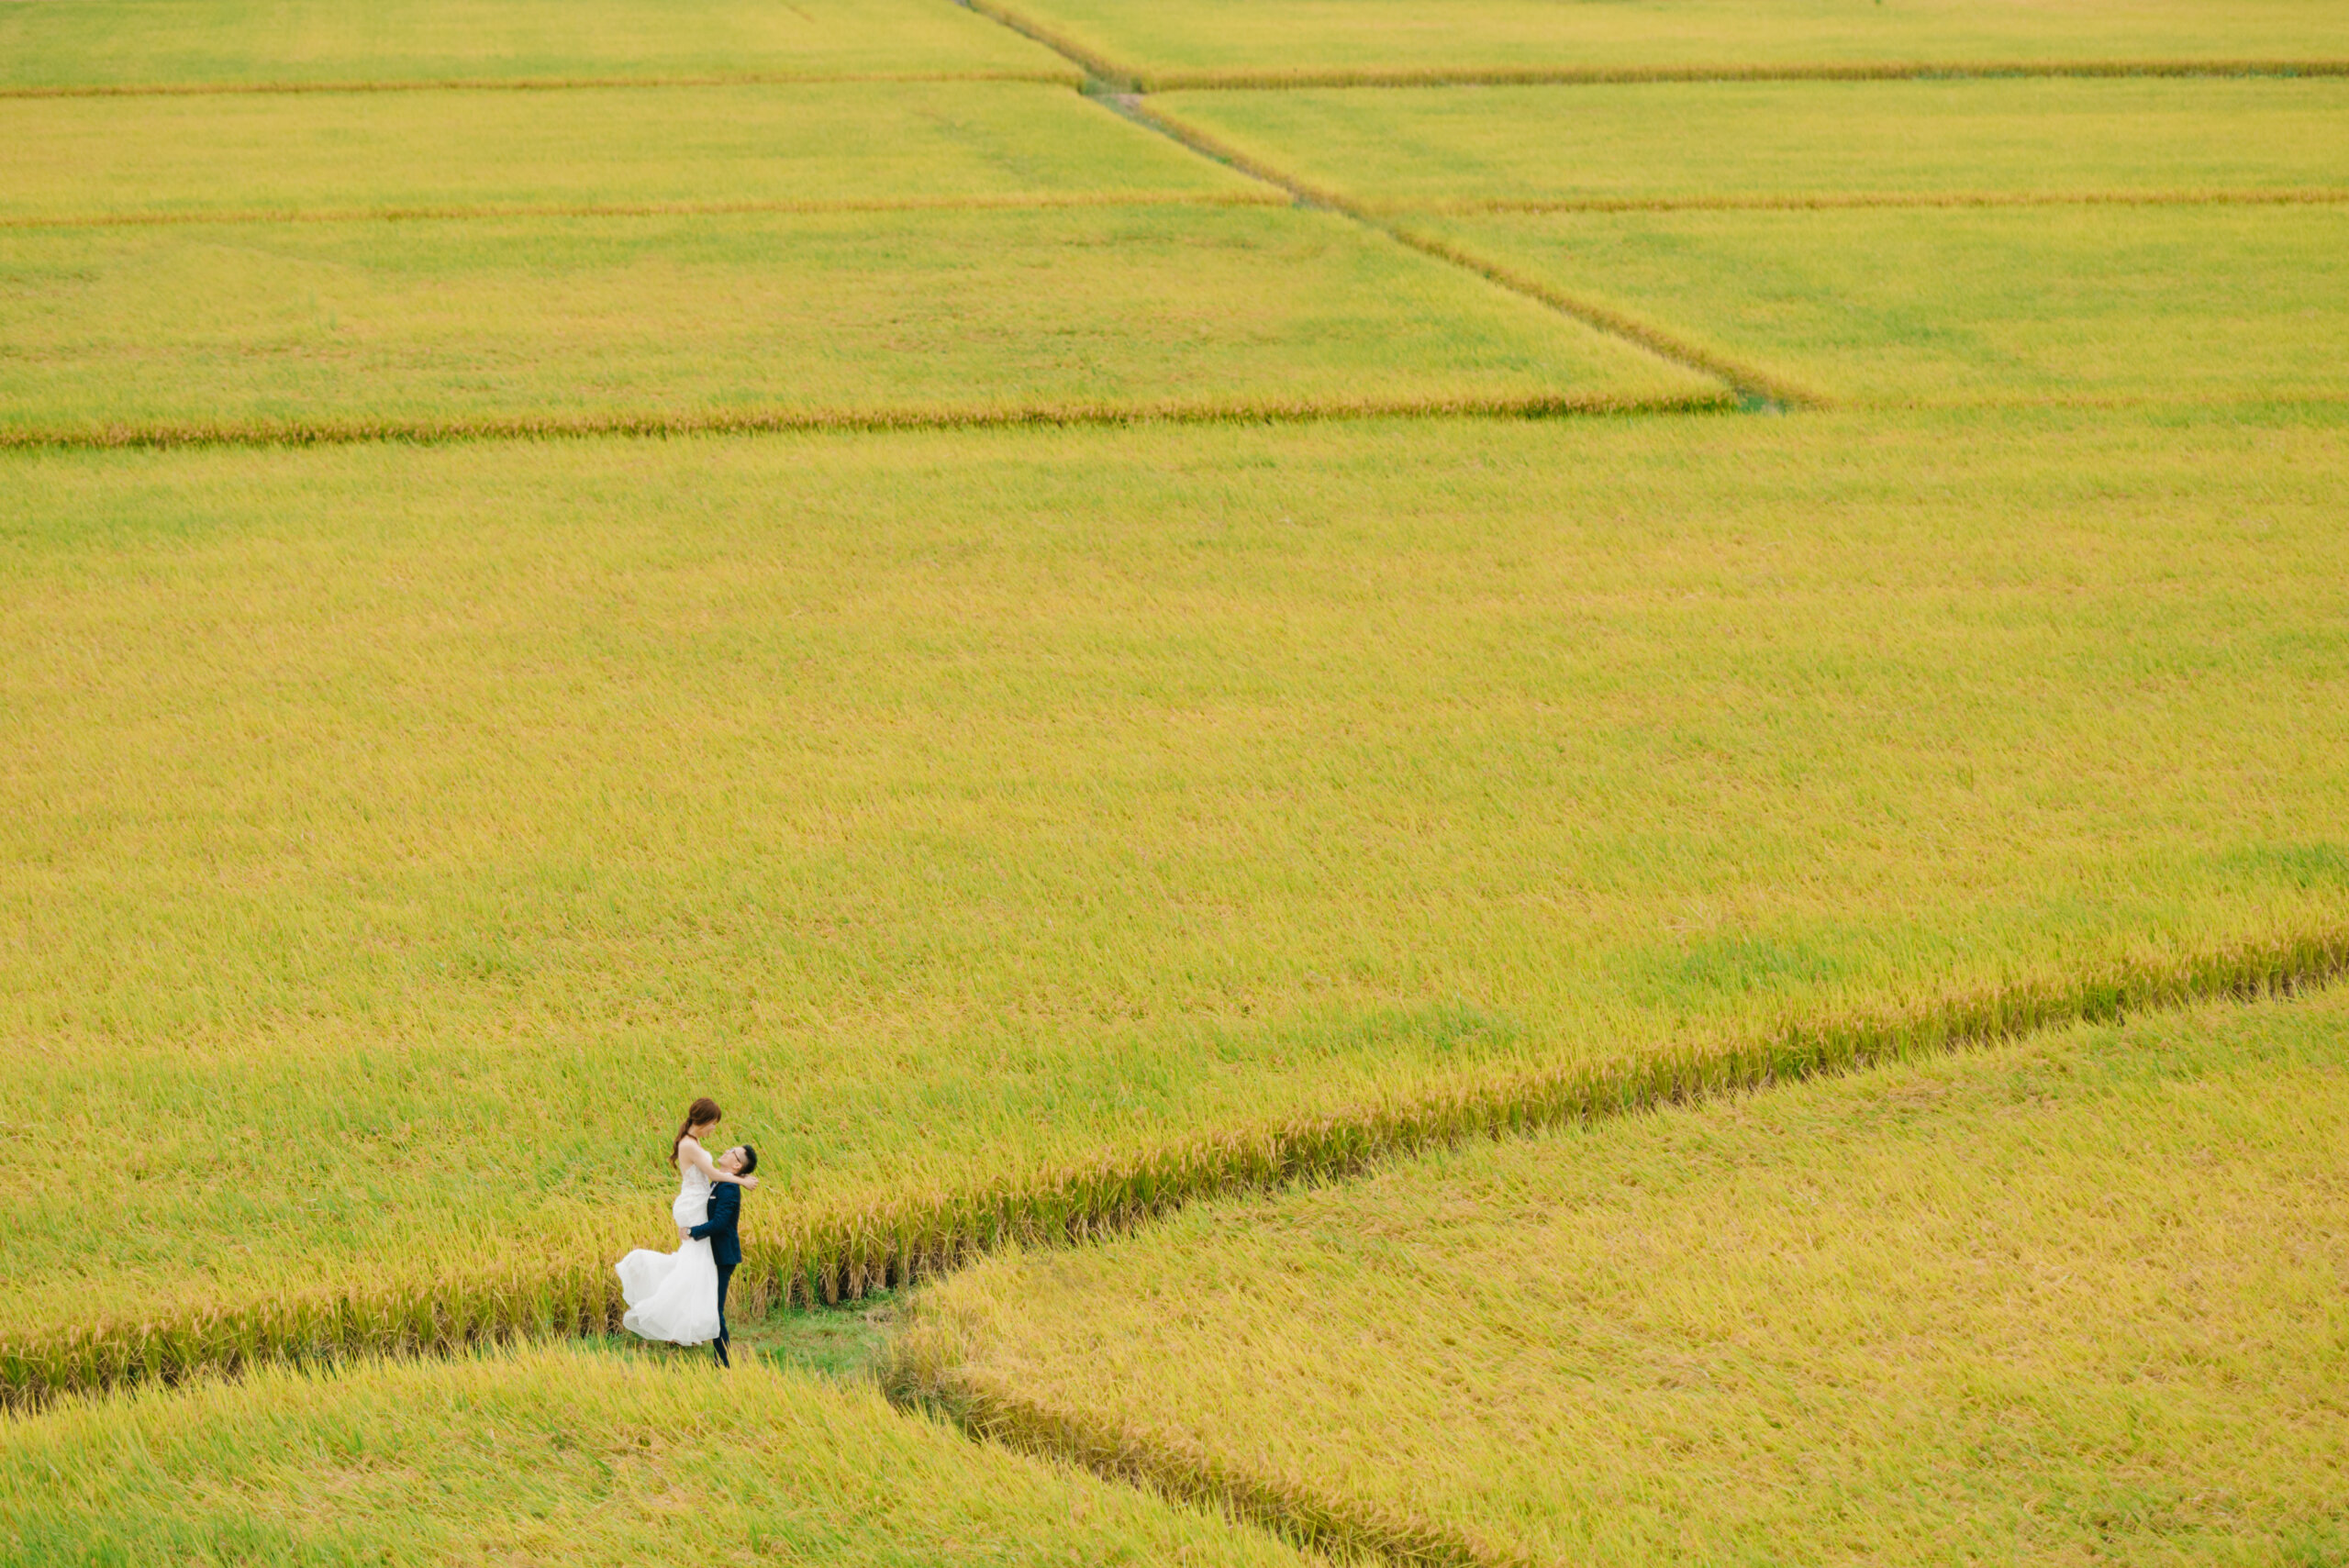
{"points": [[700, 1113]]}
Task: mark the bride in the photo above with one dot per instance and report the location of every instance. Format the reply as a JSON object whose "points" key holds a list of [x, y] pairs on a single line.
{"points": [[674, 1295]]}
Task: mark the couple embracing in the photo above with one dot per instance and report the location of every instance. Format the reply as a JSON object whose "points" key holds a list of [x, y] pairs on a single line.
{"points": [[680, 1297]]}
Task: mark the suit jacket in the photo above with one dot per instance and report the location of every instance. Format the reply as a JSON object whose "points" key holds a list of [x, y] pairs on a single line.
{"points": [[725, 1212]]}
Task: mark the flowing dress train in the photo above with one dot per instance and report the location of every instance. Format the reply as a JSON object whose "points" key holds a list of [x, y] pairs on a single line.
{"points": [[674, 1295]]}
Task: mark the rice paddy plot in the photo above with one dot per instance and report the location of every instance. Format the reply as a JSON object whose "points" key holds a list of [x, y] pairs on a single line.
{"points": [[962, 807], [2073, 1299], [194, 43], [550, 1456], [1163, 44], [261, 330], [1761, 142], [2117, 305], [819, 143]]}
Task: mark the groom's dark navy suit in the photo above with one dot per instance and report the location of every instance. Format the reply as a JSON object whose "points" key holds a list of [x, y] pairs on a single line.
{"points": [[725, 1245]]}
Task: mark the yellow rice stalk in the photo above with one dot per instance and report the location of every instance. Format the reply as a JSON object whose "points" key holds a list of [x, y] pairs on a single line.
{"points": [[830, 1256], [979, 416]]}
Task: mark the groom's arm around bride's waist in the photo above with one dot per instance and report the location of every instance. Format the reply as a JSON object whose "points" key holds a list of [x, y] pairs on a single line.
{"points": [[725, 1210]]}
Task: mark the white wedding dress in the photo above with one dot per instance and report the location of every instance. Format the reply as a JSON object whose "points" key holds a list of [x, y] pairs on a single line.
{"points": [[674, 1295]]}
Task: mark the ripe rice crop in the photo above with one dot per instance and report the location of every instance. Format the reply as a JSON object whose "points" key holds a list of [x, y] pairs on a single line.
{"points": [[2076, 1299], [267, 331], [2108, 304], [50, 44], [313, 154], [560, 1456], [1470, 148], [1018, 831], [1282, 43]]}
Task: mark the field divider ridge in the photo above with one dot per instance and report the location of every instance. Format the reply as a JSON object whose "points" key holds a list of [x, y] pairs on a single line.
{"points": [[1751, 382], [170, 434], [522, 84], [852, 1249], [990, 1411], [1097, 65], [1238, 81], [1837, 201], [490, 211]]}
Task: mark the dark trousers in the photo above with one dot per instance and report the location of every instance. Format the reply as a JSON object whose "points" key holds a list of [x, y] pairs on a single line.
{"points": [[725, 1278]]}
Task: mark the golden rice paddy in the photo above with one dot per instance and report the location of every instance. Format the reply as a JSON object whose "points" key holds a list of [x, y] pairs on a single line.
{"points": [[1186, 703]]}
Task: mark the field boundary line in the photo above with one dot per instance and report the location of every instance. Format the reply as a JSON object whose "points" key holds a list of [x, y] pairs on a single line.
{"points": [[522, 84], [989, 1411], [166, 434], [490, 211], [1239, 81], [850, 1249], [1836, 201], [1097, 65], [1748, 380], [1751, 382]]}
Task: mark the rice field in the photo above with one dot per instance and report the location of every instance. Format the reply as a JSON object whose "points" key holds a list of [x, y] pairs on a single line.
{"points": [[54, 45], [322, 156], [1170, 44], [2076, 1299], [962, 807], [2116, 305], [1467, 149], [272, 329], [561, 1455], [1260, 657]]}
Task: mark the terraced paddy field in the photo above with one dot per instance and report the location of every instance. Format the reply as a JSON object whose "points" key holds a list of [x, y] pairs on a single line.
{"points": [[1082, 654], [2073, 1299]]}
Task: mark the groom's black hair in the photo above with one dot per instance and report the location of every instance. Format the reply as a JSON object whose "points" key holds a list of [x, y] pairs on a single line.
{"points": [[750, 1161]]}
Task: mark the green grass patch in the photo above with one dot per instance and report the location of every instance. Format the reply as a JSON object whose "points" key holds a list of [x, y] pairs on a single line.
{"points": [[69, 43], [1173, 43], [1465, 147], [974, 813], [322, 154], [849, 1340], [258, 330], [560, 1456], [2071, 1299], [2121, 305]]}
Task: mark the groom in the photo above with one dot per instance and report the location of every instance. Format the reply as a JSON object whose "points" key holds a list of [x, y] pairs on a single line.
{"points": [[718, 1229]]}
